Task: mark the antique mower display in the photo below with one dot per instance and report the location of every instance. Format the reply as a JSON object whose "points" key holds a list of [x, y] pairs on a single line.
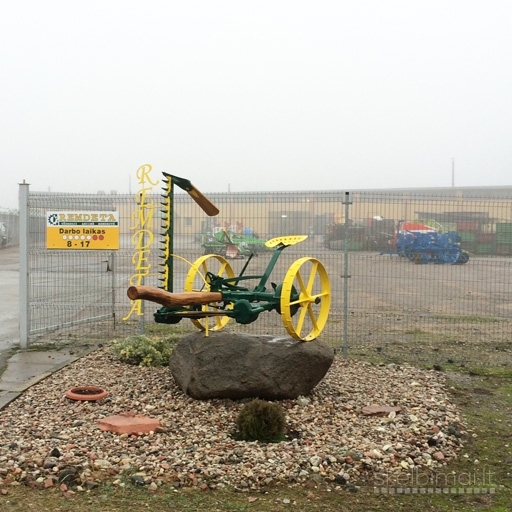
{"points": [[423, 244], [213, 294], [211, 299]]}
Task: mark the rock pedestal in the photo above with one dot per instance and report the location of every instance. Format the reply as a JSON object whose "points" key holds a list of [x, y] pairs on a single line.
{"points": [[228, 365]]}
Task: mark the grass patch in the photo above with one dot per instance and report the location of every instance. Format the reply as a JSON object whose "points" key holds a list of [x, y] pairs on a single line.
{"points": [[120, 499], [503, 373], [420, 335], [43, 347], [156, 329], [469, 319]]}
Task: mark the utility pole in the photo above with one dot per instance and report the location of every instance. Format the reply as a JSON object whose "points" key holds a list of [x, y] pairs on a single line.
{"points": [[453, 172]]}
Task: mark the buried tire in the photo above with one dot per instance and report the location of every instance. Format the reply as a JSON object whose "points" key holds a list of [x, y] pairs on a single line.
{"points": [[90, 393]]}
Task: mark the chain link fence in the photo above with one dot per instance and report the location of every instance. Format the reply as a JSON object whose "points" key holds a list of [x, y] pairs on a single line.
{"points": [[387, 302]]}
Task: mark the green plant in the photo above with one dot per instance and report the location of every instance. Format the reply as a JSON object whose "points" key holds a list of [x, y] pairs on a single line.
{"points": [[260, 420], [155, 329], [142, 350]]}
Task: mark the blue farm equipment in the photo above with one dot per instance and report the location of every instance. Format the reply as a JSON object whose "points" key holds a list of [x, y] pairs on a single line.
{"points": [[422, 244]]}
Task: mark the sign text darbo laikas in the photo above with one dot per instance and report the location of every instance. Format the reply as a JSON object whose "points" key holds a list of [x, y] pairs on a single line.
{"points": [[82, 230]]}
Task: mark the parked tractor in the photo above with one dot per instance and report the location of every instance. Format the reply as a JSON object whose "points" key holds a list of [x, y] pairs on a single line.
{"points": [[421, 243], [370, 234], [233, 245], [3, 235]]}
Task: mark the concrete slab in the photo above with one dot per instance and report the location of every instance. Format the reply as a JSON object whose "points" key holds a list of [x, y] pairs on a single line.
{"points": [[27, 367], [6, 397]]}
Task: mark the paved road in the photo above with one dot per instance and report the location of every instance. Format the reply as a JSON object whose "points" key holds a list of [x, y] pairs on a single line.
{"points": [[9, 284]]}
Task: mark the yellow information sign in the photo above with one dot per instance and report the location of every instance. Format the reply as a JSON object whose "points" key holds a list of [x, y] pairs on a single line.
{"points": [[82, 230]]}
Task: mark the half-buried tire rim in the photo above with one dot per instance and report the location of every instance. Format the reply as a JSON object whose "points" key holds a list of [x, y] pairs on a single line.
{"points": [[90, 393]]}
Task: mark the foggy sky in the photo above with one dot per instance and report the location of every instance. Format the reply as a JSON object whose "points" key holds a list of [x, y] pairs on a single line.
{"points": [[255, 95]]}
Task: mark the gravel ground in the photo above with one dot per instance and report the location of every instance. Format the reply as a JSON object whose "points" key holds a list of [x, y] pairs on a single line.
{"points": [[46, 438]]}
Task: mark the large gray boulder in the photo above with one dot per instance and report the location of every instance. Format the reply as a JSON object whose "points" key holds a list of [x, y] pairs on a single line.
{"points": [[227, 365]]}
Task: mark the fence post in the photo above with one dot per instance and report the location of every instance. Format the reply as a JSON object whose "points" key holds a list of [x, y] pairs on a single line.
{"points": [[111, 266], [24, 270], [346, 275]]}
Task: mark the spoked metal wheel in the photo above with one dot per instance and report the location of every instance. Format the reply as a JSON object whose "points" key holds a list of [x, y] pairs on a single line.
{"points": [[197, 280], [305, 299]]}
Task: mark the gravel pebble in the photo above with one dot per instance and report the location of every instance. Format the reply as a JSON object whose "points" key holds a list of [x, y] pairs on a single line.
{"points": [[43, 434]]}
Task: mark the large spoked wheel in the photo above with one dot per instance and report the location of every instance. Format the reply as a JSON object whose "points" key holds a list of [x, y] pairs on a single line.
{"points": [[305, 299], [197, 280]]}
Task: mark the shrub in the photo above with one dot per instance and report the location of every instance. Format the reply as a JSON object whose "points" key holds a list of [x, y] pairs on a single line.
{"points": [[144, 351], [263, 421]]}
